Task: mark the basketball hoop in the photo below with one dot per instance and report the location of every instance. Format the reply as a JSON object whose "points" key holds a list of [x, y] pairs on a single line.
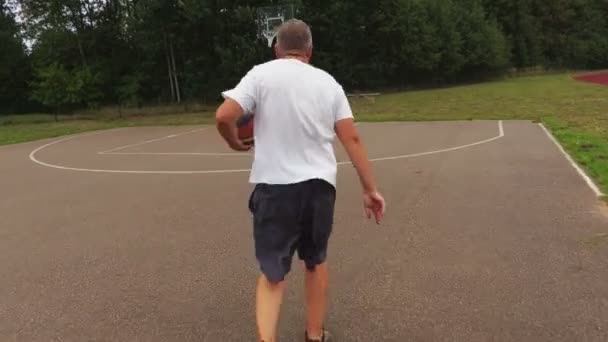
{"points": [[270, 18]]}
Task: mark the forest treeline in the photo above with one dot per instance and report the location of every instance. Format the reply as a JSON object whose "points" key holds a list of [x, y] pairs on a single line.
{"points": [[60, 55]]}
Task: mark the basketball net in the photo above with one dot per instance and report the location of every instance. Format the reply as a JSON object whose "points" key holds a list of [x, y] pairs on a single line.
{"points": [[269, 19]]}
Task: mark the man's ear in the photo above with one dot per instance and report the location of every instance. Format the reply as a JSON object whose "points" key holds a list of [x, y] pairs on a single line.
{"points": [[309, 53]]}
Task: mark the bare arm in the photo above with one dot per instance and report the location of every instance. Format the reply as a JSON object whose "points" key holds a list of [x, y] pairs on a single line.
{"points": [[349, 137], [226, 117]]}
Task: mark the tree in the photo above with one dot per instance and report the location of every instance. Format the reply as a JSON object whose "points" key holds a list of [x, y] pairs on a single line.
{"points": [[484, 46], [56, 87], [588, 41], [444, 14], [157, 27], [15, 69], [50, 86], [83, 88], [128, 90], [521, 29], [160, 51], [75, 16]]}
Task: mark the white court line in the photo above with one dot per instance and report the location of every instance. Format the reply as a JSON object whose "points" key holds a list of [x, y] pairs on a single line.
{"points": [[153, 140], [33, 158], [501, 134], [578, 169], [173, 153]]}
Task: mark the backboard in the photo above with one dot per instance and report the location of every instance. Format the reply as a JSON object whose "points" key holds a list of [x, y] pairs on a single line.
{"points": [[270, 18]]}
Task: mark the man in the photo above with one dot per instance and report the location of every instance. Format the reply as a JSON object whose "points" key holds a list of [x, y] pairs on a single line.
{"points": [[298, 109]]}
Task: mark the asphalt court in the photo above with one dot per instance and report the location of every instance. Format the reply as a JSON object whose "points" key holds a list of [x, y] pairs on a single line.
{"points": [[175, 149], [143, 234]]}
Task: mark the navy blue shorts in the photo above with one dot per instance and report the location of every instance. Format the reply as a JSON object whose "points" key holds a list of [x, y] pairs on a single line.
{"points": [[291, 217]]}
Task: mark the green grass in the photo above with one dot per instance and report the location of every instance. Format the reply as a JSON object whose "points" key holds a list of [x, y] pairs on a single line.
{"points": [[535, 98], [576, 112], [22, 128], [589, 149]]}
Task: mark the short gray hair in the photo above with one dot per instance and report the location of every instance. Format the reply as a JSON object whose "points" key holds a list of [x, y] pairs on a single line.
{"points": [[294, 35]]}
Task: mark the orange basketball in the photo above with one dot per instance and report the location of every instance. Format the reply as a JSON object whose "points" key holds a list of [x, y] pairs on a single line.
{"points": [[245, 127]]}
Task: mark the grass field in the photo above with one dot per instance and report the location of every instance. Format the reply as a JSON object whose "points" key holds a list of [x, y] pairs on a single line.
{"points": [[576, 112], [22, 128]]}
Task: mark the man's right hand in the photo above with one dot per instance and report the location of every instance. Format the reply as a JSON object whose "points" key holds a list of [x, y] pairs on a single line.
{"points": [[241, 146], [374, 204]]}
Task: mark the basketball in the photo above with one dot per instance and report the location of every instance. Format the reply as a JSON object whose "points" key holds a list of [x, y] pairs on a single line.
{"points": [[245, 128]]}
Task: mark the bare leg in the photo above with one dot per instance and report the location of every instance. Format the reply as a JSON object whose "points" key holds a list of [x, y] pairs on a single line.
{"points": [[269, 297], [316, 300]]}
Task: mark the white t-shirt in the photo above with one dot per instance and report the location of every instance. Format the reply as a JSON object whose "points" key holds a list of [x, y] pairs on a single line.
{"points": [[296, 107]]}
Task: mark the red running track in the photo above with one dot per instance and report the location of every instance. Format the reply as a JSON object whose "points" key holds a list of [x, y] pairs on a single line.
{"points": [[599, 78]]}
